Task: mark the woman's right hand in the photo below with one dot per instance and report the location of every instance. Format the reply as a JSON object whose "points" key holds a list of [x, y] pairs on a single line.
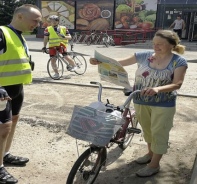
{"points": [[94, 61]]}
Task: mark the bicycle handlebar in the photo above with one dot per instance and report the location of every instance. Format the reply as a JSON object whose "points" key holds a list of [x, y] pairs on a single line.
{"points": [[100, 89], [126, 103], [47, 49]]}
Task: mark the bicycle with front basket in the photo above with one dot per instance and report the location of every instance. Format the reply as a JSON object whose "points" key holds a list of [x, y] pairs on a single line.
{"points": [[79, 61], [88, 165]]}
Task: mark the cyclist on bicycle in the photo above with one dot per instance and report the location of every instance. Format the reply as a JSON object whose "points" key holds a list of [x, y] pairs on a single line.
{"points": [[58, 37]]}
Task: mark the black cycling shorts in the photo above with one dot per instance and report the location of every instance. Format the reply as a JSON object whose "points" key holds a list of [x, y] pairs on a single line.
{"points": [[13, 107]]}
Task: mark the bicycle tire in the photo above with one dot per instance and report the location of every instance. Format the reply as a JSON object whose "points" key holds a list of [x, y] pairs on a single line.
{"points": [[105, 42], [85, 170], [60, 68], [129, 136], [80, 62], [112, 43], [89, 41]]}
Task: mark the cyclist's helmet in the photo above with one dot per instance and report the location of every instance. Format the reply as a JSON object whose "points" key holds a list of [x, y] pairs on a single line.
{"points": [[54, 17]]}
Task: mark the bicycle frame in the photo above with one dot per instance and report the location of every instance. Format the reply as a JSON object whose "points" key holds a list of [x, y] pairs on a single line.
{"points": [[127, 115], [89, 163], [61, 57], [58, 54], [56, 63]]}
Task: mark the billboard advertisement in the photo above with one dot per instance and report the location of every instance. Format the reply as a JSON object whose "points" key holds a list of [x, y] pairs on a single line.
{"points": [[100, 15], [64, 9], [135, 14], [94, 15]]}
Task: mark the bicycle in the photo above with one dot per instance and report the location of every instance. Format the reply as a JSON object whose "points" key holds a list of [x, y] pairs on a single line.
{"points": [[75, 37], [93, 38], [107, 40], [88, 165], [79, 61]]}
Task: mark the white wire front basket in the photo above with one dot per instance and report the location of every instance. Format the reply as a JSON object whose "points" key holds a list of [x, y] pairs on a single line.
{"points": [[91, 125]]}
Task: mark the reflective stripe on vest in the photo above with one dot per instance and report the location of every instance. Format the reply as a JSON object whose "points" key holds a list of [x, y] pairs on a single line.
{"points": [[54, 39], [14, 63]]}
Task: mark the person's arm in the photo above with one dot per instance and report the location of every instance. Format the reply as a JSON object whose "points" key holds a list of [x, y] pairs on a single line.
{"points": [[179, 74], [2, 42], [45, 41], [128, 61], [172, 25], [67, 35], [183, 25], [124, 62]]}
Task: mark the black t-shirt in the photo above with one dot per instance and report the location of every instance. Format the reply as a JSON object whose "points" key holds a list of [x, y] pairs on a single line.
{"points": [[3, 41]]}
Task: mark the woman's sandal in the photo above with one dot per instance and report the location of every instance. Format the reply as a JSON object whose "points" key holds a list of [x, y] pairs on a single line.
{"points": [[144, 160]]}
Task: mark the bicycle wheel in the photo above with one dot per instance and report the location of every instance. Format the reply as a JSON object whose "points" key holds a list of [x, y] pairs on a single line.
{"points": [[105, 42], [53, 67], [129, 135], [89, 41], [81, 64], [112, 43], [87, 166]]}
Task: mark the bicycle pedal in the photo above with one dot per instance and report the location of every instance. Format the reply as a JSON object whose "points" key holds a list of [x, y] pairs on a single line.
{"points": [[134, 130]]}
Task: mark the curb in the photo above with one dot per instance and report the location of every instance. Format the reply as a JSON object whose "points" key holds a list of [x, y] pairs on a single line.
{"points": [[105, 87]]}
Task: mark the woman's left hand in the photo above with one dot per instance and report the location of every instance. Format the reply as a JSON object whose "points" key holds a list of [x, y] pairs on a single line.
{"points": [[94, 61], [149, 91]]}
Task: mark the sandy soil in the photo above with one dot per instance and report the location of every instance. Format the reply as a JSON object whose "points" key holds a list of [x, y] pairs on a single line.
{"points": [[41, 136]]}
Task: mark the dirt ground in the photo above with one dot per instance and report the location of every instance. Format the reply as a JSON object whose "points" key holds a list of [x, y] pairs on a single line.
{"points": [[41, 136]]}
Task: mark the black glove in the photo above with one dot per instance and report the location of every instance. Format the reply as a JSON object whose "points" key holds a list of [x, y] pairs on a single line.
{"points": [[44, 49], [3, 93]]}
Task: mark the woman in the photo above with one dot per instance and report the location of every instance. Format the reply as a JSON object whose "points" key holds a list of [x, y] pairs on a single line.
{"points": [[159, 74]]}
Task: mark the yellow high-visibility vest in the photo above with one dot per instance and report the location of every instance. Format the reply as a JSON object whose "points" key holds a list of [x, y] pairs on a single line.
{"points": [[54, 39], [14, 63]]}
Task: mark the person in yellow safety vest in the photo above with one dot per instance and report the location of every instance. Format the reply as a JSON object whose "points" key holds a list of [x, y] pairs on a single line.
{"points": [[58, 37], [15, 70]]}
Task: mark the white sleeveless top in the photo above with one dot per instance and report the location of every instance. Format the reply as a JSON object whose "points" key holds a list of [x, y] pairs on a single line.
{"points": [[178, 24]]}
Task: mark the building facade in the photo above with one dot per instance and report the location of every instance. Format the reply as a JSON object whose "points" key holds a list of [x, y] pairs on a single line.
{"points": [[83, 15], [167, 11]]}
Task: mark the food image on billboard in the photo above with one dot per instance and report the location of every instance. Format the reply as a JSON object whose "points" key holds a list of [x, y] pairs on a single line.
{"points": [[135, 14], [65, 11], [94, 15]]}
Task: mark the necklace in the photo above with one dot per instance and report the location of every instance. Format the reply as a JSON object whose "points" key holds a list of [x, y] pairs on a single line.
{"points": [[158, 61]]}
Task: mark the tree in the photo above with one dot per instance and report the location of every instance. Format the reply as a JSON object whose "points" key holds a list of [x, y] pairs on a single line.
{"points": [[6, 11], [7, 8]]}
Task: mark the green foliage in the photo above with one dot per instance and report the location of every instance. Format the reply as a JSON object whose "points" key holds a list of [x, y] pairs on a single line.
{"points": [[7, 8], [21, 2]]}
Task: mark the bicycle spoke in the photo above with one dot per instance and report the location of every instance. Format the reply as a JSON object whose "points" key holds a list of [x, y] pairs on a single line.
{"points": [[87, 167], [81, 64], [55, 68]]}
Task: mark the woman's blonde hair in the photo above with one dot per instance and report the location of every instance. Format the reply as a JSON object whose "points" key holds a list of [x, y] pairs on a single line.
{"points": [[173, 39]]}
